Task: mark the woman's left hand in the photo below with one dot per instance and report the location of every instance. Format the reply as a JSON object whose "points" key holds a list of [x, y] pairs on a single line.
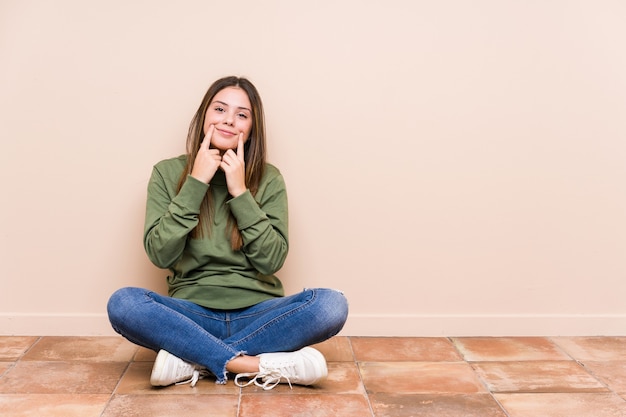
{"points": [[234, 166]]}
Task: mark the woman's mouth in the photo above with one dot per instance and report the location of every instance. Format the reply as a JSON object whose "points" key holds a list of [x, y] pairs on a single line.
{"points": [[226, 133]]}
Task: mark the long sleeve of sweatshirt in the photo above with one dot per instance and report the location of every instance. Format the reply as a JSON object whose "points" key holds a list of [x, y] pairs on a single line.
{"points": [[206, 270]]}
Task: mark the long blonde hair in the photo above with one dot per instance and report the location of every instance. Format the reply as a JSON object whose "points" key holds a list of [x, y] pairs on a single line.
{"points": [[255, 152]]}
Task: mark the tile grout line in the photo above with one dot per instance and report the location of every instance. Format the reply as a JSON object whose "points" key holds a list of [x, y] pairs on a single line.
{"points": [[483, 382], [19, 358], [39, 338], [239, 399], [358, 368], [583, 366], [119, 381]]}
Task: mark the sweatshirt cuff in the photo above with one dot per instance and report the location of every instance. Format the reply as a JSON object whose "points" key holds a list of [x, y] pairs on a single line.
{"points": [[246, 210], [192, 193]]}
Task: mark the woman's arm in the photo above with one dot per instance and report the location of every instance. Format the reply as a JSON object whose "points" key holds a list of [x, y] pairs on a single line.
{"points": [[170, 217], [264, 225]]}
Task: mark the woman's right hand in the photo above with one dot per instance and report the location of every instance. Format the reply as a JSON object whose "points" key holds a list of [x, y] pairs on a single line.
{"points": [[207, 160]]}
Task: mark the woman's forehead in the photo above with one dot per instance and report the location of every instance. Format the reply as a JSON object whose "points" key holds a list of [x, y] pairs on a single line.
{"points": [[233, 96]]}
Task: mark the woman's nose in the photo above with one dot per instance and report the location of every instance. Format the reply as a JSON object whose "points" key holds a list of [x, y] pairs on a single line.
{"points": [[228, 119]]}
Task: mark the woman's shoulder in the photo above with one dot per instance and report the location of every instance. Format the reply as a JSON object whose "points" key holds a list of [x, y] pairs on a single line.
{"points": [[271, 171], [171, 165]]}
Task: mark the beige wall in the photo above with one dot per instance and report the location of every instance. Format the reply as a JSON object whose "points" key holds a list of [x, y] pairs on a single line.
{"points": [[456, 167]]}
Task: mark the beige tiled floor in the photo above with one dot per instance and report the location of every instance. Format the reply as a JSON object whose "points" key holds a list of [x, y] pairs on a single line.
{"points": [[380, 377]]}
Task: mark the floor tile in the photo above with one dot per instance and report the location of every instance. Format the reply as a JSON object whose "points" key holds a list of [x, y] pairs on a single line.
{"points": [[594, 348], [336, 349], [12, 347], [368, 376], [62, 348], [611, 373], [60, 405], [145, 355], [317, 405], [58, 377], [4, 366], [478, 349], [537, 376], [435, 405], [136, 380], [172, 405], [343, 378], [420, 377], [383, 349], [562, 405]]}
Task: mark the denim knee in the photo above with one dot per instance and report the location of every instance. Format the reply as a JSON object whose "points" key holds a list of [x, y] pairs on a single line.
{"points": [[121, 302], [333, 311]]}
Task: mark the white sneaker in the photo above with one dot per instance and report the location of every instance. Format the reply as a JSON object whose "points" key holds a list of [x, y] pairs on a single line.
{"points": [[306, 366], [169, 369]]}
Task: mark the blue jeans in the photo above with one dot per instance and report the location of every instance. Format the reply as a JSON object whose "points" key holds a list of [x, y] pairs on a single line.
{"points": [[211, 338]]}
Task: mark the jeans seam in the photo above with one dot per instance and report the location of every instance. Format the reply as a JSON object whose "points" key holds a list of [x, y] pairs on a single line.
{"points": [[183, 307], [275, 320]]}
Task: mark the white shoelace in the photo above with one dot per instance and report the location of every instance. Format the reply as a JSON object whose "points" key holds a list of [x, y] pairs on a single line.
{"points": [[197, 375], [266, 379]]}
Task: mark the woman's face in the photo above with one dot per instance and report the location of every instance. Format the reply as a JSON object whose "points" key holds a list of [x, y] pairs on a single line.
{"points": [[231, 114]]}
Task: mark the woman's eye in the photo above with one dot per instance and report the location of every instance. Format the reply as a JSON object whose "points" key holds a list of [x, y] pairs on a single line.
{"points": [[243, 115], [219, 109]]}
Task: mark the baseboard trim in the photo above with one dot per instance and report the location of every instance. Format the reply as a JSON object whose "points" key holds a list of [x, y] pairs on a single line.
{"points": [[55, 325], [402, 325]]}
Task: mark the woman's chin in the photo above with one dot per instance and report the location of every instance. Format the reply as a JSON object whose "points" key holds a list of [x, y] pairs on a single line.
{"points": [[223, 147]]}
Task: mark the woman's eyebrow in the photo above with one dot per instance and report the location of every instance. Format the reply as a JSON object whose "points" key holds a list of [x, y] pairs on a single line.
{"points": [[227, 105]]}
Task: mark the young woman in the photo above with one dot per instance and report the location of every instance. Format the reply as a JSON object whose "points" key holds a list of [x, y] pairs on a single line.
{"points": [[217, 219]]}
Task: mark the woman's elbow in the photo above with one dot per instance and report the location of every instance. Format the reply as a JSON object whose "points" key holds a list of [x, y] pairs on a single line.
{"points": [[157, 258], [272, 264]]}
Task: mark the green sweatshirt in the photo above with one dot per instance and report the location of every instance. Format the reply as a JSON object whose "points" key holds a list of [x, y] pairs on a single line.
{"points": [[207, 271]]}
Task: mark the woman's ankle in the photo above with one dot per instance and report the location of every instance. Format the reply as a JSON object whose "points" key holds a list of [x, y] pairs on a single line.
{"points": [[243, 364]]}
